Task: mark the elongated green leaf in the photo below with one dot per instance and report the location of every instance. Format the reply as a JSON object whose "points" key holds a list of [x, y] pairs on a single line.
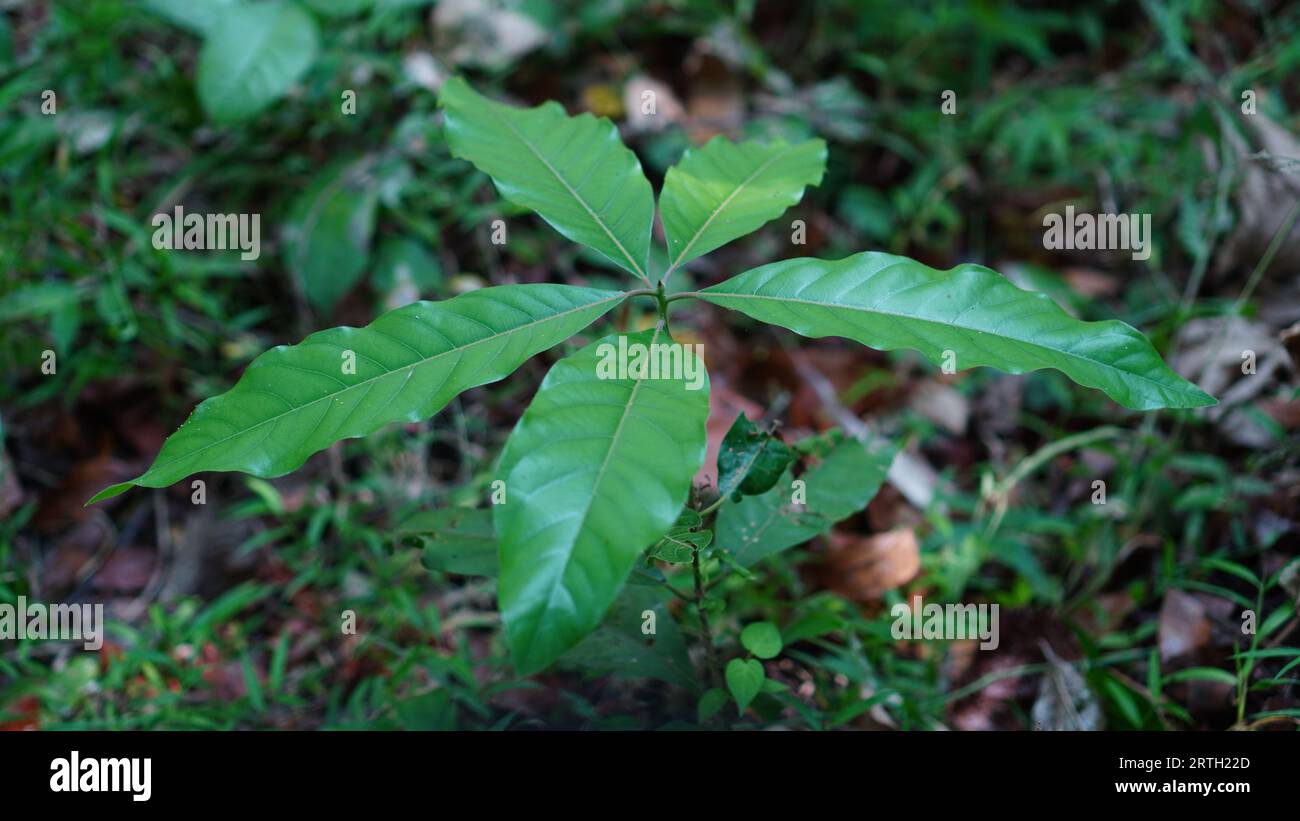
{"points": [[455, 540], [37, 299], [839, 486], [891, 302], [573, 171], [252, 55], [293, 401], [329, 243], [596, 471], [725, 190]]}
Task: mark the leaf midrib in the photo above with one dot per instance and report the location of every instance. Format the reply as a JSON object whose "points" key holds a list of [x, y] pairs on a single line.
{"points": [[722, 206], [572, 191], [744, 471], [595, 486], [709, 292], [385, 375], [773, 513]]}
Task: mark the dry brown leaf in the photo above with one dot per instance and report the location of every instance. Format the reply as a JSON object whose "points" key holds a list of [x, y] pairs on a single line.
{"points": [[480, 33], [1184, 626], [1264, 198], [126, 570], [716, 105], [862, 568], [1091, 283], [1064, 701], [941, 404]]}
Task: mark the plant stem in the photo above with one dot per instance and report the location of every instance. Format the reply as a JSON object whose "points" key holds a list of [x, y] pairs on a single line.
{"points": [[711, 653], [716, 504], [663, 305]]}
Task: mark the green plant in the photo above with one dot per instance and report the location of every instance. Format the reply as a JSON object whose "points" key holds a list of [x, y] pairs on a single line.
{"points": [[599, 469]]}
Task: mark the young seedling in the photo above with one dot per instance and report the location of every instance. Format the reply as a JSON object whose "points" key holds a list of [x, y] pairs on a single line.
{"points": [[599, 468]]}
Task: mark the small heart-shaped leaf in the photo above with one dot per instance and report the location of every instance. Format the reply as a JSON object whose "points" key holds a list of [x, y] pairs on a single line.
{"points": [[744, 680], [762, 639]]}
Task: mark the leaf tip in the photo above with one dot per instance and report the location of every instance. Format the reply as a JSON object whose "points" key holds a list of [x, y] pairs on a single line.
{"points": [[109, 492]]}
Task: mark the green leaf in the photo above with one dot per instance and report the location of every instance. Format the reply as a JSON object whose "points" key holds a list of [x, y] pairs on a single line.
{"points": [[842, 484], [891, 302], [680, 547], [620, 647], [329, 242], [1203, 674], [252, 55], [293, 401], [339, 8], [711, 703], [573, 171], [745, 680], [818, 617], [199, 16], [596, 470], [762, 639], [403, 264], [37, 299], [726, 190], [456, 540], [750, 461], [433, 710], [679, 544]]}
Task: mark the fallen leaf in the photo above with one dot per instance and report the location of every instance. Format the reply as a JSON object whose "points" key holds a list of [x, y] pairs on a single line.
{"points": [[1265, 192], [716, 104], [1184, 626], [1064, 701], [126, 570], [941, 404], [480, 33], [1091, 283], [863, 568]]}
